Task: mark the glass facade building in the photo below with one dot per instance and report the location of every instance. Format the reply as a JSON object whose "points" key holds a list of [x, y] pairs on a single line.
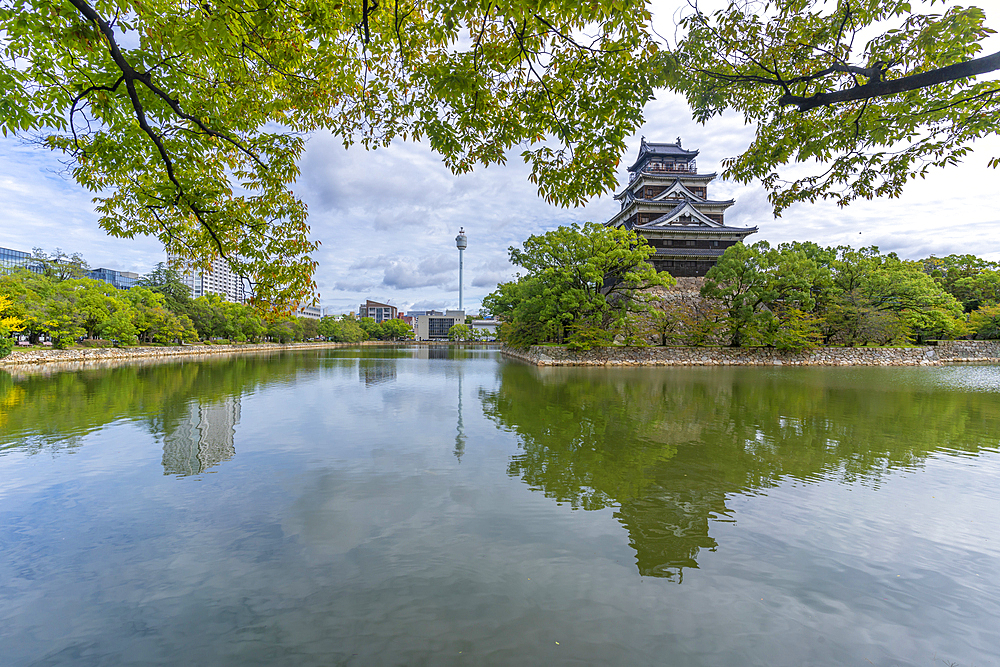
{"points": [[120, 279], [17, 259]]}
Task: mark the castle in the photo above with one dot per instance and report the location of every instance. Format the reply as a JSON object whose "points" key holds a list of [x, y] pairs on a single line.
{"points": [[666, 203]]}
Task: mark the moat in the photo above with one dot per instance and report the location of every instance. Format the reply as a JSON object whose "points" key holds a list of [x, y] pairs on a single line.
{"points": [[446, 506]]}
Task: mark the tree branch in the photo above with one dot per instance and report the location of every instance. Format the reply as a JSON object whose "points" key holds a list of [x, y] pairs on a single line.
{"points": [[880, 88]]}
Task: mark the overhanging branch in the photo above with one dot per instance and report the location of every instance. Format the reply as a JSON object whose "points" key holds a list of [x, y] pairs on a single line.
{"points": [[881, 88]]}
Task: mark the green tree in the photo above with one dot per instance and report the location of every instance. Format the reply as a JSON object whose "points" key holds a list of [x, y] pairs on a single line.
{"points": [[167, 281], [154, 322], [29, 292], [757, 285], [396, 329], [284, 329], [459, 332], [370, 327], [310, 328], [985, 322], [344, 329], [581, 281], [187, 121], [872, 91], [59, 265], [208, 313]]}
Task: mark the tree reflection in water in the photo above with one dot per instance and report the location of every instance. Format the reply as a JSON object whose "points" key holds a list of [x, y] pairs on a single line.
{"points": [[666, 447], [193, 407]]}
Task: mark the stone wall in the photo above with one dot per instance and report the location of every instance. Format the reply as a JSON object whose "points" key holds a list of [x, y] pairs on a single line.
{"points": [[946, 351], [969, 350], [115, 354]]}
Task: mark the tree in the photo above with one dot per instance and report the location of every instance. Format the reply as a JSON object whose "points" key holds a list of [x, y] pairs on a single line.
{"points": [[344, 329], [370, 327], [758, 285], [873, 90], [985, 322], [186, 121], [9, 323], [396, 329], [59, 265], [168, 282], [310, 328], [459, 332], [580, 281], [153, 319]]}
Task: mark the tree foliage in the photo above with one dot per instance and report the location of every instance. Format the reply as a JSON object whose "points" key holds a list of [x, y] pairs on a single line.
{"points": [[797, 295], [9, 323], [870, 90], [581, 284], [43, 307], [186, 120], [460, 332]]}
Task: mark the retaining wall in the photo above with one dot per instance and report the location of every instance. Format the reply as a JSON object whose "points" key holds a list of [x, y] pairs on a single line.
{"points": [[944, 352], [101, 354]]}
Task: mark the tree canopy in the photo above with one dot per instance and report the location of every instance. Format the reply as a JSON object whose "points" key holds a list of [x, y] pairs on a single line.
{"points": [[186, 119], [584, 284], [870, 93]]}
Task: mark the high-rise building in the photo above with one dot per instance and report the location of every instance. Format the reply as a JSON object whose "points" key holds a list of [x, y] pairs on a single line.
{"points": [[666, 203], [219, 279]]}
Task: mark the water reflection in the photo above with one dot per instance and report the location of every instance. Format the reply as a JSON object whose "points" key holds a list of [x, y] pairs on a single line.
{"points": [[376, 371], [668, 447], [203, 438], [192, 407]]}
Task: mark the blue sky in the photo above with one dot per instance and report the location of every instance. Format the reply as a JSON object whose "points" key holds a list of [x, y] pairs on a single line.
{"points": [[387, 219]]}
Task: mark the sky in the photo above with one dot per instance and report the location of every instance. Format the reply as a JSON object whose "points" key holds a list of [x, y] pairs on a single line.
{"points": [[387, 219]]}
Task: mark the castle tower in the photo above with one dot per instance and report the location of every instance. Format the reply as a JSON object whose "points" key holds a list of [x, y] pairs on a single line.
{"points": [[666, 203]]}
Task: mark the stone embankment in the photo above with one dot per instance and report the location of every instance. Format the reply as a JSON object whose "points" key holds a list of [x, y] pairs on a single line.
{"points": [[116, 354], [944, 352], [109, 356]]}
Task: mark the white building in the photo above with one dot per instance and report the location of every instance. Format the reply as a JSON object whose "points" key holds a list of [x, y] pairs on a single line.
{"points": [[484, 329], [219, 279], [434, 325], [310, 312]]}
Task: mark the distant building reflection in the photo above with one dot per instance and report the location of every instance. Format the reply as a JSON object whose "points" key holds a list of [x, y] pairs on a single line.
{"points": [[376, 371], [202, 438]]}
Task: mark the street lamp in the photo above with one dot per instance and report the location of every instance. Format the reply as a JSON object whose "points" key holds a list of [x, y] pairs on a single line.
{"points": [[462, 242]]}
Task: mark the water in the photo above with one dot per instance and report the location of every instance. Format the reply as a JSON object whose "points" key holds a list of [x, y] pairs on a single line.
{"points": [[444, 507]]}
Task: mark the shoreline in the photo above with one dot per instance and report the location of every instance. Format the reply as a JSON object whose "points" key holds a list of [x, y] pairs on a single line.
{"points": [[113, 355], [945, 352]]}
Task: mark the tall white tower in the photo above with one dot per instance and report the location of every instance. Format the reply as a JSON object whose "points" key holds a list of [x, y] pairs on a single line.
{"points": [[462, 242]]}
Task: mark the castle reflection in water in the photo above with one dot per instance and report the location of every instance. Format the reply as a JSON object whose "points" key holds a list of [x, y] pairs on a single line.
{"points": [[202, 438]]}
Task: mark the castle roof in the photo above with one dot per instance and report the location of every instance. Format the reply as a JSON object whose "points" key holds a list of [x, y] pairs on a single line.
{"points": [[648, 150], [664, 198], [682, 210]]}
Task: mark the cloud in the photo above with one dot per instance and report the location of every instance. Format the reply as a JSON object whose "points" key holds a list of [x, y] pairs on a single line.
{"points": [[490, 279]]}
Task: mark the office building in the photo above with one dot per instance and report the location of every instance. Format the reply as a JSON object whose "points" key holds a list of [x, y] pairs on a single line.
{"points": [[377, 311], [434, 325]]}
